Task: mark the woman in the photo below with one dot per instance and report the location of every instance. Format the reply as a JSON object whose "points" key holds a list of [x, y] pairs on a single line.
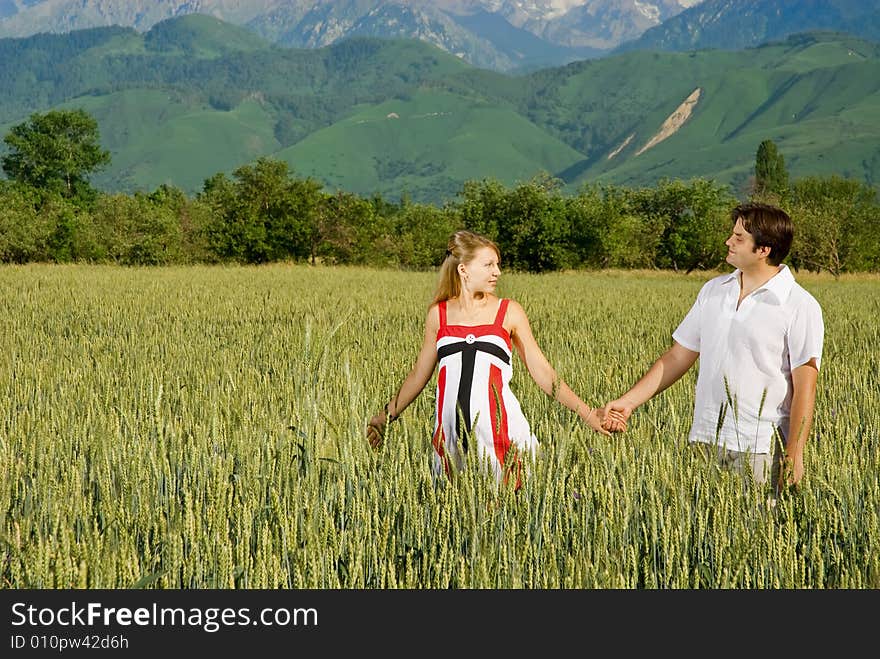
{"points": [[471, 333]]}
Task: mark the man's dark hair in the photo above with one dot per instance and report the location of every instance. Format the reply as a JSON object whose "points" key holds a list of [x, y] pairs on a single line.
{"points": [[770, 227]]}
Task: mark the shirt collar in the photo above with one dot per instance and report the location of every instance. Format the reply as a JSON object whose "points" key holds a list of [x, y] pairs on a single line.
{"points": [[779, 285]]}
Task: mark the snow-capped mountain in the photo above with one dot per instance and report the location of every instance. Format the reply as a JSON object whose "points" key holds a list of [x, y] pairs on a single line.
{"points": [[501, 34], [595, 23]]}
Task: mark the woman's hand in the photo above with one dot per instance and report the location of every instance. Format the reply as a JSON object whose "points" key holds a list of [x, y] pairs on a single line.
{"points": [[376, 430]]}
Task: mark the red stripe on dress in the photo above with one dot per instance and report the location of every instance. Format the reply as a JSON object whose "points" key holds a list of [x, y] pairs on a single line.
{"points": [[439, 439], [500, 435], [502, 311]]}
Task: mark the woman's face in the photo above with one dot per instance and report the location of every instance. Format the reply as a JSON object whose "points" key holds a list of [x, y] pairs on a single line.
{"points": [[481, 273]]}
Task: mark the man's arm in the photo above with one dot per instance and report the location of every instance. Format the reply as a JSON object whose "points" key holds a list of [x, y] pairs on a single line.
{"points": [[803, 402], [667, 370]]}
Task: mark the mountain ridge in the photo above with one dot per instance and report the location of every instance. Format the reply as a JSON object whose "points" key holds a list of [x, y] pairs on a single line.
{"points": [[559, 31], [737, 24]]}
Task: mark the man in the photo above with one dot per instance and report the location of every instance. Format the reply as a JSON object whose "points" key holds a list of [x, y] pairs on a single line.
{"points": [[759, 337]]}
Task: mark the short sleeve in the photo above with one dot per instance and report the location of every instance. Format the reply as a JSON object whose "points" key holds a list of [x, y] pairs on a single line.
{"points": [[688, 331], [806, 334]]}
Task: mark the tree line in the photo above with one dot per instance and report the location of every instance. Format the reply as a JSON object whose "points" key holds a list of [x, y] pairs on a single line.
{"points": [[264, 213]]}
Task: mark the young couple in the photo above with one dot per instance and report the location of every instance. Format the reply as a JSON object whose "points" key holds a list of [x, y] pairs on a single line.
{"points": [[757, 332]]}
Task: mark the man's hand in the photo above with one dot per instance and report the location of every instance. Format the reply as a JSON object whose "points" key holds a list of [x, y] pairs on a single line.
{"points": [[791, 472]]}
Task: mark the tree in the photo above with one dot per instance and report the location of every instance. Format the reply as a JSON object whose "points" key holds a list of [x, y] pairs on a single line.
{"points": [[530, 223], [136, 230], [535, 236], [608, 230], [482, 207], [56, 151], [420, 234], [349, 229], [837, 225], [694, 220], [265, 214], [25, 232], [771, 177]]}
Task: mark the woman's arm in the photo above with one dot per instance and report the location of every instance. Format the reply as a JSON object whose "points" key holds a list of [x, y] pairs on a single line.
{"points": [[413, 384], [543, 373]]}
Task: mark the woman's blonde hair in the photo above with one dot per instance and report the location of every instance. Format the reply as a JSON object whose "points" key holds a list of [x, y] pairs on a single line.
{"points": [[461, 248]]}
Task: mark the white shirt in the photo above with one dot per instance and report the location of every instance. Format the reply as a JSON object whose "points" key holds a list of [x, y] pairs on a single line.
{"points": [[744, 386]]}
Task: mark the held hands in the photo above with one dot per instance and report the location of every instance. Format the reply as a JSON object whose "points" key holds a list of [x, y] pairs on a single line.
{"points": [[616, 413], [598, 420]]}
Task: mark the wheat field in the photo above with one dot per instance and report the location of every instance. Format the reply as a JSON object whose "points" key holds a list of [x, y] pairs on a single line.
{"points": [[203, 427]]}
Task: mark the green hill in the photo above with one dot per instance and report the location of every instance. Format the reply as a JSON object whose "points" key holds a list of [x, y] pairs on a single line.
{"points": [[427, 145], [816, 96], [197, 35], [195, 96], [159, 137]]}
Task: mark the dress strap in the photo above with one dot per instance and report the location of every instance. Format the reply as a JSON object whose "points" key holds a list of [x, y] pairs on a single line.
{"points": [[502, 310], [441, 307]]}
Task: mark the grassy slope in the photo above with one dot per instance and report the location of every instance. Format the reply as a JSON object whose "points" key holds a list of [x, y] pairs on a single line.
{"points": [[437, 141], [817, 101], [201, 36], [160, 137]]}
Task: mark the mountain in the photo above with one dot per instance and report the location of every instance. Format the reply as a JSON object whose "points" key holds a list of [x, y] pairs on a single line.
{"points": [[194, 96], [703, 113], [329, 22], [503, 35], [598, 24], [737, 24]]}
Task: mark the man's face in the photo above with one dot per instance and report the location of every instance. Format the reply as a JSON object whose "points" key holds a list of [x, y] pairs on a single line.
{"points": [[741, 251]]}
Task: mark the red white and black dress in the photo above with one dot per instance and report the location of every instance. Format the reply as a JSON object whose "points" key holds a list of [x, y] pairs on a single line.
{"points": [[475, 405]]}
